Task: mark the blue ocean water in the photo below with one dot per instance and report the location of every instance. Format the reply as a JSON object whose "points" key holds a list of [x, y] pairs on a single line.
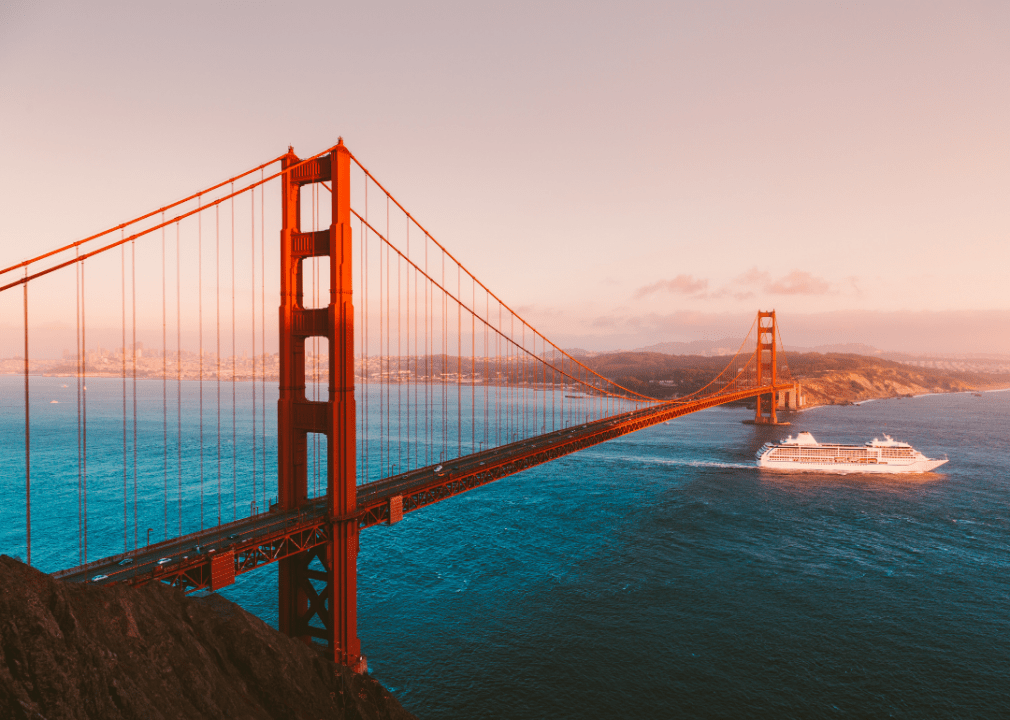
{"points": [[663, 575]]}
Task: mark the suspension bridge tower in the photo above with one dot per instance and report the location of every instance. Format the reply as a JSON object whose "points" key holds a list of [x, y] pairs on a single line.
{"points": [[766, 362], [318, 588]]}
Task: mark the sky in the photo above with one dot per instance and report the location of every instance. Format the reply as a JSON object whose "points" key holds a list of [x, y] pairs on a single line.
{"points": [[622, 174]]}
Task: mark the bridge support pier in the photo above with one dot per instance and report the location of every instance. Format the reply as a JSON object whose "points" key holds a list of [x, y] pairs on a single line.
{"points": [[317, 593]]}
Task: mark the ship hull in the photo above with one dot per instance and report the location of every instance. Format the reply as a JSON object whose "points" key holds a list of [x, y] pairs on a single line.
{"points": [[919, 466]]}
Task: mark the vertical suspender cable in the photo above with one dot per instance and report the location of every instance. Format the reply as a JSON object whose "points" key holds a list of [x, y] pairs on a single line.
{"points": [[445, 360], [263, 342], [199, 284], [459, 363], [473, 365], [484, 373], [315, 340], [77, 341], [525, 431], [427, 361], [217, 337], [122, 276], [164, 385], [133, 285], [382, 399], [84, 409], [28, 439], [366, 375], [497, 364], [411, 460], [362, 318], [252, 293], [389, 348], [178, 363], [234, 426], [365, 384], [399, 355]]}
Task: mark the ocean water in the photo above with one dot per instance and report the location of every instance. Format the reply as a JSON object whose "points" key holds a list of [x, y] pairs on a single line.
{"points": [[663, 575]]}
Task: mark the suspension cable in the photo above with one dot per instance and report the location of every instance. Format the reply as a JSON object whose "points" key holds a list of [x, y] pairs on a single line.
{"points": [[126, 224]]}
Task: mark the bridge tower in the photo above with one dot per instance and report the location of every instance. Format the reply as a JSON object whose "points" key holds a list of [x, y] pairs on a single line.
{"points": [[766, 363], [315, 603]]}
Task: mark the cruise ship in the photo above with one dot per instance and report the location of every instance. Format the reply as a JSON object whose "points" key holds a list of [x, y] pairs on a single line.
{"points": [[877, 456]]}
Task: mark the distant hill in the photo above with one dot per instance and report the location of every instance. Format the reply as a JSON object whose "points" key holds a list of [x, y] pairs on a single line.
{"points": [[728, 346], [703, 348], [827, 378]]}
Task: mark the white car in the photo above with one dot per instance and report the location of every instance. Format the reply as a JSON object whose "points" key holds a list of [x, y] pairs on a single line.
{"points": [[164, 561], [96, 578]]}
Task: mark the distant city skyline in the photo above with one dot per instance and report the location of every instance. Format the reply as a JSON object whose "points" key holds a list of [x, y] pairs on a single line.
{"points": [[621, 174]]}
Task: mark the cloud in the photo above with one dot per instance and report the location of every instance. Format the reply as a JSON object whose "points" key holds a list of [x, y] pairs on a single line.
{"points": [[680, 285], [963, 331], [754, 277], [799, 282], [745, 286]]}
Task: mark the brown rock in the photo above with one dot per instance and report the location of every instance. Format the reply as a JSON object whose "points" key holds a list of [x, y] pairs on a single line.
{"points": [[86, 651]]}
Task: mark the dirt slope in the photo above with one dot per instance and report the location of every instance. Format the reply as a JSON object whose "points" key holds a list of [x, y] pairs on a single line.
{"points": [[74, 651]]}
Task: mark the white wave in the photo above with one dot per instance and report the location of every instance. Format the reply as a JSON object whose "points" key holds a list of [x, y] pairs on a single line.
{"points": [[687, 463]]}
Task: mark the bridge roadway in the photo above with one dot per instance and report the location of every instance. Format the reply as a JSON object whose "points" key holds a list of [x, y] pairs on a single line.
{"points": [[212, 558]]}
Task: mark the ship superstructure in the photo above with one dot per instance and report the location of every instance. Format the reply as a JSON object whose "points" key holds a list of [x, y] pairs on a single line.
{"points": [[877, 456]]}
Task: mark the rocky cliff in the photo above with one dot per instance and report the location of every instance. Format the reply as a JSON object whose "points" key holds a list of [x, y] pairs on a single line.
{"points": [[836, 379], [76, 651]]}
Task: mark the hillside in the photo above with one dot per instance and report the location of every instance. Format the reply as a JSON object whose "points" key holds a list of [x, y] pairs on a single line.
{"points": [[834, 379], [70, 651], [827, 379]]}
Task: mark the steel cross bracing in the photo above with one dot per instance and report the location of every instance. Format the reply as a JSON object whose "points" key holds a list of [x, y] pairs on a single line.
{"points": [[277, 535]]}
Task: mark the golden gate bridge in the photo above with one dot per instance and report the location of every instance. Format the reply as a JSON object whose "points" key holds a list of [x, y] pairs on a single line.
{"points": [[401, 379]]}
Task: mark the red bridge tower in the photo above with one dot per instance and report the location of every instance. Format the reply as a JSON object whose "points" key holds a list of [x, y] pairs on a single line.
{"points": [[325, 609]]}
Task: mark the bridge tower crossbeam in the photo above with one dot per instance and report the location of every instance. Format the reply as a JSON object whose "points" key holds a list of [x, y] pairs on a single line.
{"points": [[319, 604]]}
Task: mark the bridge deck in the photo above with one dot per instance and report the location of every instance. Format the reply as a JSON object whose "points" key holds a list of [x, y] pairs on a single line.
{"points": [[249, 543]]}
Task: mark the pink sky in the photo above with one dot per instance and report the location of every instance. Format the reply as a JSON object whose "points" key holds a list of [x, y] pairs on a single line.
{"points": [[625, 173]]}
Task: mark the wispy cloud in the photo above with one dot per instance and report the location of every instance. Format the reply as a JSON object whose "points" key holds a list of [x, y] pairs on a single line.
{"points": [[976, 331], [796, 282], [799, 282], [744, 286], [680, 285]]}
